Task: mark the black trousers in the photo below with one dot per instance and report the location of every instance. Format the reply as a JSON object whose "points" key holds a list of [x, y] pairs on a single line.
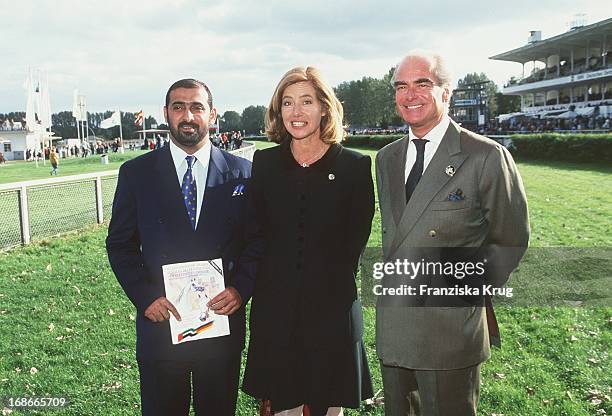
{"points": [[166, 386]]}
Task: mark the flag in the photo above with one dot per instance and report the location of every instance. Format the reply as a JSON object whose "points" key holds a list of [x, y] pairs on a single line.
{"points": [[139, 118], [30, 111], [79, 106], [45, 102], [76, 111], [113, 120]]}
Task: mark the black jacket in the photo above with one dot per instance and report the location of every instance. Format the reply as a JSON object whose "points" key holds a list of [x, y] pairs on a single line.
{"points": [[316, 222], [150, 228]]}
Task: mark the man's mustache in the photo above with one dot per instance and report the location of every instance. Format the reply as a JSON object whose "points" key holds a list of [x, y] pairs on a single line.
{"points": [[185, 124]]}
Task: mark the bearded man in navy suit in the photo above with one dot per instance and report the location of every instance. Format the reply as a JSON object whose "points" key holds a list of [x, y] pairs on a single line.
{"points": [[155, 222]]}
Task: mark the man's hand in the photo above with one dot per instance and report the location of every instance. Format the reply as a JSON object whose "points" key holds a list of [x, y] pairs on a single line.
{"points": [[159, 310], [226, 302]]}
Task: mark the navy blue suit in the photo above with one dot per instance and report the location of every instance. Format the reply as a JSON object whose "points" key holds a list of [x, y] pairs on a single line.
{"points": [[150, 228]]}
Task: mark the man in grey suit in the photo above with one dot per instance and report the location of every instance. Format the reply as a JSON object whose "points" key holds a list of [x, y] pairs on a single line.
{"points": [[441, 187]]}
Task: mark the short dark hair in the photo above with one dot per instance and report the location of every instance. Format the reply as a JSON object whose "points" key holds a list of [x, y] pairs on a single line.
{"points": [[189, 83]]}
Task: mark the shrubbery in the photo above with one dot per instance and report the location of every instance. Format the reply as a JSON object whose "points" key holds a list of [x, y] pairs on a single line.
{"points": [[259, 138], [546, 146], [372, 142], [566, 147]]}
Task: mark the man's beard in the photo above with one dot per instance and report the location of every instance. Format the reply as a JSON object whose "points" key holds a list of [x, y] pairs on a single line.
{"points": [[188, 139]]}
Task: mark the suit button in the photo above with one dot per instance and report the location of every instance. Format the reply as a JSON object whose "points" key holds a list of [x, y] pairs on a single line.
{"points": [[298, 266], [160, 220], [432, 233], [384, 230], [230, 266], [302, 197]]}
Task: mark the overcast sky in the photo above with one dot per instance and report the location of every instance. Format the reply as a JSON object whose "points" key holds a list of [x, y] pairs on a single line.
{"points": [[123, 54]]}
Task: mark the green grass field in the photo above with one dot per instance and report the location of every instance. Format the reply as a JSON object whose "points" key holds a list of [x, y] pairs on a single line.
{"points": [[67, 327], [17, 171]]}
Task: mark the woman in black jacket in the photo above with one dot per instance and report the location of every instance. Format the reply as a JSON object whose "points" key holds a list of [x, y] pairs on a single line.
{"points": [[315, 201]]}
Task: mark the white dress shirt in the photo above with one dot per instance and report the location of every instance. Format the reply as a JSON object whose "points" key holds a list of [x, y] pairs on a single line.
{"points": [[199, 169], [434, 136]]}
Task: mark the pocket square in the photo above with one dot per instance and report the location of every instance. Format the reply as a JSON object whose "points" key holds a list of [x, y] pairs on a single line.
{"points": [[238, 190], [456, 196]]}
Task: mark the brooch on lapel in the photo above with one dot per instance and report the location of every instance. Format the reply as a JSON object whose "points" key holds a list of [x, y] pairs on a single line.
{"points": [[456, 196], [238, 190], [450, 170]]}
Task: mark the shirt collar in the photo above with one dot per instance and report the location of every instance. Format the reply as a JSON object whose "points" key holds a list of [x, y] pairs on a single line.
{"points": [[179, 155], [436, 134]]}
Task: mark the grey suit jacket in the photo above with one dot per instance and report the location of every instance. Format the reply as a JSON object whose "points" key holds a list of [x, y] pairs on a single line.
{"points": [[492, 215]]}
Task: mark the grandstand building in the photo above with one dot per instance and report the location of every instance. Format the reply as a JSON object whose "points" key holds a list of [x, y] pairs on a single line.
{"points": [[469, 105], [571, 73]]}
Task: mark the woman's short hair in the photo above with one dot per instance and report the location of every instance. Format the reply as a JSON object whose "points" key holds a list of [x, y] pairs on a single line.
{"points": [[332, 130]]}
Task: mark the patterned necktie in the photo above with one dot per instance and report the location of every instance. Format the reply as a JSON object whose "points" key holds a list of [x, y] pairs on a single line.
{"points": [[417, 169], [190, 191]]}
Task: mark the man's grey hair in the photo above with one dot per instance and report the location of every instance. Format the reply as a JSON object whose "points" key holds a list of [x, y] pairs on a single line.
{"points": [[437, 65]]}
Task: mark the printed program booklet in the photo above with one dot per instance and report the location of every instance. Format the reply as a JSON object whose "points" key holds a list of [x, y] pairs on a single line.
{"points": [[189, 287]]}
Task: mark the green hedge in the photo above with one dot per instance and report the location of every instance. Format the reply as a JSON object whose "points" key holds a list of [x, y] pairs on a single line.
{"points": [[373, 142], [547, 146], [566, 147]]}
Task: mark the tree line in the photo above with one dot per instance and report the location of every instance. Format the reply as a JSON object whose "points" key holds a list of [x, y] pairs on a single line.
{"points": [[64, 125], [368, 102]]}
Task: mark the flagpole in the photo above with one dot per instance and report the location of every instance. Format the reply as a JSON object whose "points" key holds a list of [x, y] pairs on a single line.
{"points": [[39, 126], [121, 133], [143, 124], [30, 118], [83, 124], [76, 114]]}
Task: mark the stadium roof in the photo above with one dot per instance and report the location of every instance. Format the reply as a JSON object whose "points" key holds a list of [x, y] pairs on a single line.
{"points": [[576, 38]]}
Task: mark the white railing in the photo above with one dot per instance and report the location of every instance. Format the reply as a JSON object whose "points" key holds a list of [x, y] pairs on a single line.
{"points": [[36, 209]]}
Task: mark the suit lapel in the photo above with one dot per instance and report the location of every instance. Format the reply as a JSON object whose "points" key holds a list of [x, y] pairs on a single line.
{"points": [[217, 169], [171, 200], [218, 174], [434, 178], [397, 167]]}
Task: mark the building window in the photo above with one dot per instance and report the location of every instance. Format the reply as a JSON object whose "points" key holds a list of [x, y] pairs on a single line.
{"points": [[594, 92], [7, 147], [564, 96], [607, 92], [579, 94]]}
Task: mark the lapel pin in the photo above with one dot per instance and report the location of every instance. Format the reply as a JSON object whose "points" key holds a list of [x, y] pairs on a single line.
{"points": [[450, 170], [331, 177]]}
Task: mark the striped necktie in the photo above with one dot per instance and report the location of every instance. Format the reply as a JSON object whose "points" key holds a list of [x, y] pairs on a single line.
{"points": [[190, 191]]}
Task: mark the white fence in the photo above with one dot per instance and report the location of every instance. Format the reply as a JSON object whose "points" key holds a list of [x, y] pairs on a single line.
{"points": [[37, 209]]}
